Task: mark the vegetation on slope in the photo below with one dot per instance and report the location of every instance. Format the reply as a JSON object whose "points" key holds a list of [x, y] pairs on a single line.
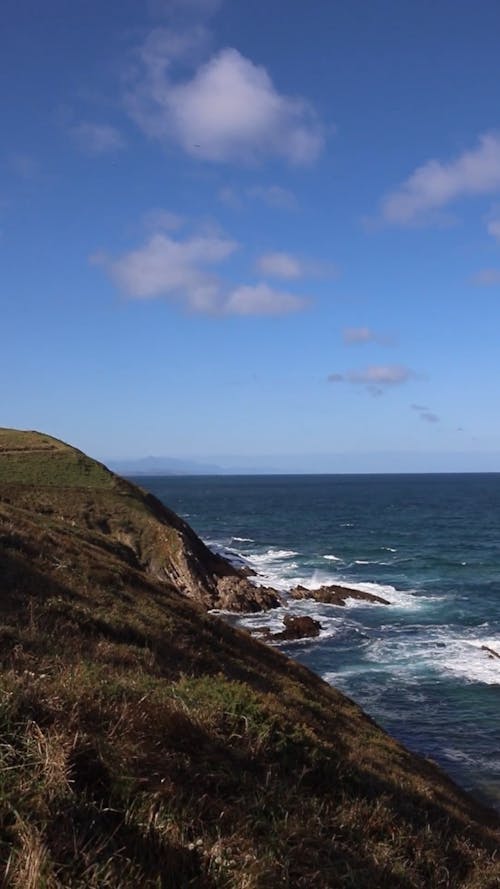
{"points": [[145, 743], [51, 478]]}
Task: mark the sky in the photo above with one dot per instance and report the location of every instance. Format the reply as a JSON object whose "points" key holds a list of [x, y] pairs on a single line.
{"points": [[254, 233]]}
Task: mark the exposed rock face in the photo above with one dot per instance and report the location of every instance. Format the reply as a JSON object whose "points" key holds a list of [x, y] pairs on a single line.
{"points": [[296, 627], [299, 627], [49, 476], [335, 595], [238, 594], [46, 475], [108, 672], [490, 652]]}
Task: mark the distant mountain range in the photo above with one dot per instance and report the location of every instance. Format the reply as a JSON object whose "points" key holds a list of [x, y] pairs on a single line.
{"points": [[163, 466], [177, 466], [337, 463]]}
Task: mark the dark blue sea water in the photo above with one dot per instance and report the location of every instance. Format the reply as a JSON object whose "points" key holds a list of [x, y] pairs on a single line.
{"points": [[428, 543]]}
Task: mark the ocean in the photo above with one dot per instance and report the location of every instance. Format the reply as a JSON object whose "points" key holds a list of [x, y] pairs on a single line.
{"points": [[430, 544]]}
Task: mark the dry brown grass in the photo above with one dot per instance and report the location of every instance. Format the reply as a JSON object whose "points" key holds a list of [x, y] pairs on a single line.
{"points": [[145, 744]]}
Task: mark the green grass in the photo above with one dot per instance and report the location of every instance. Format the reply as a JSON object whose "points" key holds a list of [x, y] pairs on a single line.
{"points": [[144, 743], [32, 458]]}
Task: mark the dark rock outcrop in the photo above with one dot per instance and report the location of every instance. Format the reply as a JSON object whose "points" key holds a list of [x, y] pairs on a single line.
{"points": [[490, 652], [335, 595], [299, 627], [47, 476], [296, 627], [236, 593]]}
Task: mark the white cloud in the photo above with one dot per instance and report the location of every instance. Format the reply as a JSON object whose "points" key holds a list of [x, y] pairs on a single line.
{"points": [[183, 271], [435, 184], [95, 138], [229, 110], [166, 267], [161, 50], [280, 265], [261, 299], [487, 278]]}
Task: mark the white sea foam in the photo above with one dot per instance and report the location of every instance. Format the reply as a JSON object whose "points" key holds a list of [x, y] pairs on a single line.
{"points": [[278, 568], [331, 624], [271, 555], [466, 659], [275, 568], [437, 649], [395, 597], [243, 539]]}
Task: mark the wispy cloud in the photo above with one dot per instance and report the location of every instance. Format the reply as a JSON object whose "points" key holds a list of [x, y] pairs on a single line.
{"points": [[382, 375], [494, 228], [231, 197], [184, 271], [162, 220], [97, 138], [261, 299], [486, 278], [436, 184], [280, 265], [359, 335], [229, 110], [424, 413], [273, 196], [288, 266], [375, 378]]}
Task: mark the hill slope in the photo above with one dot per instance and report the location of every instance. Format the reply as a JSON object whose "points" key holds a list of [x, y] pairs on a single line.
{"points": [[58, 481], [147, 744]]}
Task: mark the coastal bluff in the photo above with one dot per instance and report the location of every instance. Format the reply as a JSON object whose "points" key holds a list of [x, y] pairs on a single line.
{"points": [[53, 478], [146, 743]]}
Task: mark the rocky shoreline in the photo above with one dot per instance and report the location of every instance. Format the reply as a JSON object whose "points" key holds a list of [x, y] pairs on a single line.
{"points": [[237, 595]]}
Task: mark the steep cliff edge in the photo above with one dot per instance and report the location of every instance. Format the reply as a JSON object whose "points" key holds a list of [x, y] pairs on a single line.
{"points": [[59, 482], [145, 743]]}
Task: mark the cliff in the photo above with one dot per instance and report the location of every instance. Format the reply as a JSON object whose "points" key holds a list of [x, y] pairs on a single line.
{"points": [[147, 744], [59, 482]]}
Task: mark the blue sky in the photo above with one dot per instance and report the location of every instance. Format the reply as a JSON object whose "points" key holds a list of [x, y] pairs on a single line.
{"points": [[268, 231]]}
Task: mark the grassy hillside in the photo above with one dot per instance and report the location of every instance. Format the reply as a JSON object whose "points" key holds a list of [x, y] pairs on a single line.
{"points": [[24, 459], [146, 744], [61, 484]]}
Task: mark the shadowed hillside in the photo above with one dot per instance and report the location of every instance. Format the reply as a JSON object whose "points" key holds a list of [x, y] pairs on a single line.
{"points": [[147, 744]]}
